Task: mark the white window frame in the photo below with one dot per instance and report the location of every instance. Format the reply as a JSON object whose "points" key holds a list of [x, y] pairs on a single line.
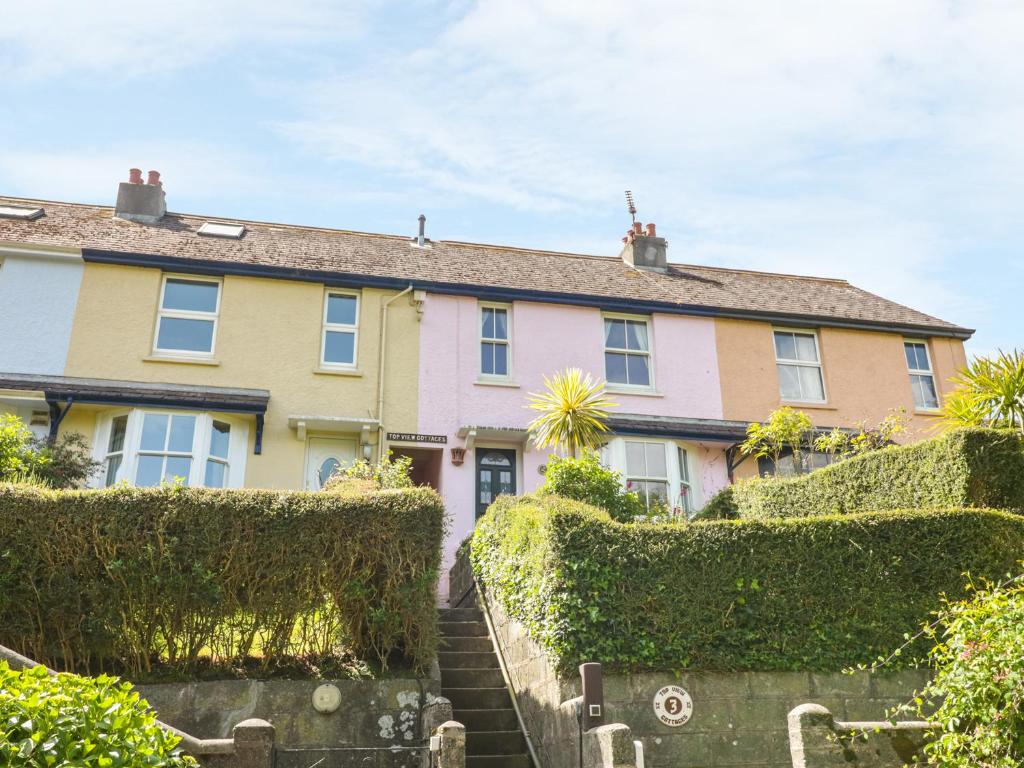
{"points": [[491, 340], [613, 456], [340, 327], [183, 314], [200, 453], [930, 373], [616, 386], [785, 361]]}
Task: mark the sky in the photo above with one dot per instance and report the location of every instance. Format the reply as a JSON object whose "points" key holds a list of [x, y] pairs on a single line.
{"points": [[881, 142]]}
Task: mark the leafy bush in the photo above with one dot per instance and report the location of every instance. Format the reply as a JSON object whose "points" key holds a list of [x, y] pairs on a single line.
{"points": [[975, 694], [361, 475], [584, 479], [17, 457], [962, 468], [67, 720], [130, 579], [811, 593]]}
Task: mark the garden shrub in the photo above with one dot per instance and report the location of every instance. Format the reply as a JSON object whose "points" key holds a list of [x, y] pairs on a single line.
{"points": [[962, 468], [808, 593], [584, 479], [128, 578], [66, 720], [975, 694]]}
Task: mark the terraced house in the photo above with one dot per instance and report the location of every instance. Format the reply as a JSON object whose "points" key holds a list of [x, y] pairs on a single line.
{"points": [[250, 354]]}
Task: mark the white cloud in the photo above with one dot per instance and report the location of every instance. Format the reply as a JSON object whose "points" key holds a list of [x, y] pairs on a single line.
{"points": [[847, 137], [126, 39]]}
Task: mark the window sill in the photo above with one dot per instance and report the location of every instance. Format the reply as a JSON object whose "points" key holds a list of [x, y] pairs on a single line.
{"points": [[351, 372], [811, 406], [184, 360], [928, 411], [497, 383], [630, 391]]}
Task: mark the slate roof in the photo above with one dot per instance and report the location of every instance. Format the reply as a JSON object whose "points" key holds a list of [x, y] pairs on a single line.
{"points": [[485, 270]]}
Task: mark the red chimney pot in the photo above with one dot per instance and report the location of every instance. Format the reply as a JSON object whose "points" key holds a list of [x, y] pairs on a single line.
{"points": [[134, 176], [638, 227], [650, 230], [154, 178]]}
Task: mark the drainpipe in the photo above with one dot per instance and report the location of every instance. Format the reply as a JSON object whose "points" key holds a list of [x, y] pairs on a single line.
{"points": [[380, 369]]}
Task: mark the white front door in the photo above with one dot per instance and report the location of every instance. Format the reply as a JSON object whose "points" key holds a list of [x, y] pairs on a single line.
{"points": [[324, 455]]}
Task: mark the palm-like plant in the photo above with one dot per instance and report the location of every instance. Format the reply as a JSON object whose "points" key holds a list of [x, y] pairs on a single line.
{"points": [[989, 392], [573, 412]]}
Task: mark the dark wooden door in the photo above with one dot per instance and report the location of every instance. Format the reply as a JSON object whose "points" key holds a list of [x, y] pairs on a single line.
{"points": [[495, 475]]}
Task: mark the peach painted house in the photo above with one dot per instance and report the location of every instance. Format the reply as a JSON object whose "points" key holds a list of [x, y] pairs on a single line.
{"points": [[248, 354]]}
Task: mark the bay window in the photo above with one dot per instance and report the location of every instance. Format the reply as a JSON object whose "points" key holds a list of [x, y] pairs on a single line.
{"points": [[664, 473], [647, 472], [150, 447]]}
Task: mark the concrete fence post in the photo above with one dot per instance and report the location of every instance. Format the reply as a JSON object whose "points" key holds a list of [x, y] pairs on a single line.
{"points": [[451, 745], [609, 746], [254, 744]]}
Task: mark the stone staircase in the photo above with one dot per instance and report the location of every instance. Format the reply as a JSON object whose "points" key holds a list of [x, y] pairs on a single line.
{"points": [[471, 679]]}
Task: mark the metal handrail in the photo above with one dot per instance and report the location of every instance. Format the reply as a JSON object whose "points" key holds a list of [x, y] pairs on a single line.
{"points": [[506, 677]]}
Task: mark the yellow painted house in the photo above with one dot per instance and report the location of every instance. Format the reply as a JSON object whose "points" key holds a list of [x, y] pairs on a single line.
{"points": [[249, 354]]}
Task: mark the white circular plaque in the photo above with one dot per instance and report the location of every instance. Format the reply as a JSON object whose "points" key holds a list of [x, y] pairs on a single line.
{"points": [[326, 698], [673, 705]]}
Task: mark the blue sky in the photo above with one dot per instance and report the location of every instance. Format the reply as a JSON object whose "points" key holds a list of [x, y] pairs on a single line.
{"points": [[876, 141]]}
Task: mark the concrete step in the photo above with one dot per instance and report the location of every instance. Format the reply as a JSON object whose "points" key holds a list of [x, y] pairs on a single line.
{"points": [[463, 629], [467, 660], [486, 719], [498, 761], [477, 698], [460, 644], [460, 614], [471, 678], [495, 743]]}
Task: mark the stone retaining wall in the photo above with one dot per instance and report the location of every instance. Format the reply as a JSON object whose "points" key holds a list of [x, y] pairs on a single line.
{"points": [[739, 719], [383, 714]]}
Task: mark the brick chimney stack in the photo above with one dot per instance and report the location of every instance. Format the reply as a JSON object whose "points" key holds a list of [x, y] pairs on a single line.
{"points": [[144, 203]]}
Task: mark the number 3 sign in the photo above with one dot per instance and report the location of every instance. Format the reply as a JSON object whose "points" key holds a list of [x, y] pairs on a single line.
{"points": [[673, 705]]}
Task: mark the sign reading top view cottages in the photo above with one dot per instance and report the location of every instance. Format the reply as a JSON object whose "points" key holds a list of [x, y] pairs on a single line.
{"points": [[673, 705], [409, 437]]}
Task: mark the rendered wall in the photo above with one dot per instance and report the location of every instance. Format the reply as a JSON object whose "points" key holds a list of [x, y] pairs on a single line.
{"points": [[865, 376], [268, 337], [547, 338], [38, 295]]}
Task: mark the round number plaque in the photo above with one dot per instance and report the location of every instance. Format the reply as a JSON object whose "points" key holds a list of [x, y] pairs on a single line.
{"points": [[326, 698], [673, 705]]}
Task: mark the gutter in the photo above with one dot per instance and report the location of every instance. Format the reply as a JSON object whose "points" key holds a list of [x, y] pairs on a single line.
{"points": [[381, 359], [493, 293]]}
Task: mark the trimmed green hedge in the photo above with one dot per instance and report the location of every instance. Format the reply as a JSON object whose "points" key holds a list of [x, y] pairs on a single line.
{"points": [[818, 593], [962, 468], [127, 579]]}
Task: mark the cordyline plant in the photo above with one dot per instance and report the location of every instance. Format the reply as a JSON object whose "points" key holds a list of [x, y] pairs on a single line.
{"points": [[989, 393], [573, 412]]}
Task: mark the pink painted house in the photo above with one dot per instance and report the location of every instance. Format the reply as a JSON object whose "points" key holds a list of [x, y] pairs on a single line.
{"points": [[480, 359]]}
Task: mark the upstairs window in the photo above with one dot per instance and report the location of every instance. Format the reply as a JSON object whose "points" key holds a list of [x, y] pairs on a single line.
{"points": [[922, 381], [495, 342], [187, 320], [627, 352], [647, 472], [799, 363], [341, 330]]}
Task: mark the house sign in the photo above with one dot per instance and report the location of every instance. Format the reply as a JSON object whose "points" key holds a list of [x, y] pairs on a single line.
{"points": [[673, 705], [410, 437]]}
